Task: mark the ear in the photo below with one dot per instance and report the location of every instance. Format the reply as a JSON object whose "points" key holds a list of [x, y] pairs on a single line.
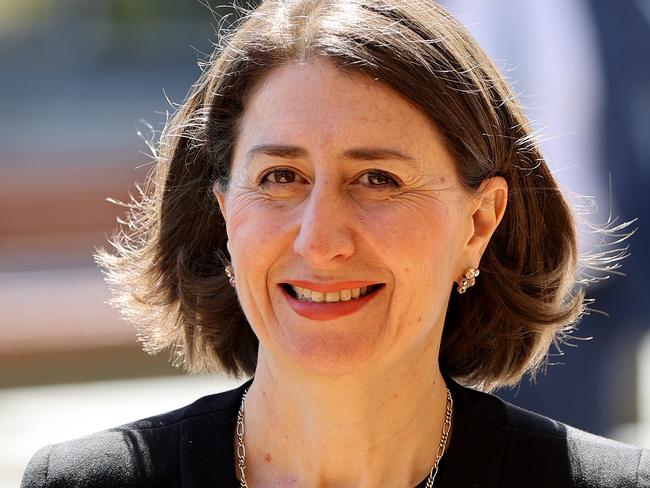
{"points": [[220, 199], [488, 208]]}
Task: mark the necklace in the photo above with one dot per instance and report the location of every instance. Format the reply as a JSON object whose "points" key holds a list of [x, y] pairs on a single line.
{"points": [[241, 450]]}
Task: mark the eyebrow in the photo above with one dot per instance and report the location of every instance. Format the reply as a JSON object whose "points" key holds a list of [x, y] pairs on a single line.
{"points": [[361, 154]]}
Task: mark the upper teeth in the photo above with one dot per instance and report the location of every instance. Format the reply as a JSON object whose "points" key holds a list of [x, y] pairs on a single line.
{"points": [[329, 296]]}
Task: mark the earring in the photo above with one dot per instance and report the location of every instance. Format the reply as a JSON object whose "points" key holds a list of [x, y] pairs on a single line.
{"points": [[230, 273], [467, 280]]}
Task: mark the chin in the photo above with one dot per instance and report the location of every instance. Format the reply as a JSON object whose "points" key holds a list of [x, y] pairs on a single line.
{"points": [[325, 355]]}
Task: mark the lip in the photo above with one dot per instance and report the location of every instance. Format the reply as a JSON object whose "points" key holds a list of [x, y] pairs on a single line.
{"points": [[325, 287], [324, 310]]}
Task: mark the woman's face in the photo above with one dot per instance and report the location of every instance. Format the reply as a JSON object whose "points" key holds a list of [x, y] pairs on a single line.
{"points": [[347, 223]]}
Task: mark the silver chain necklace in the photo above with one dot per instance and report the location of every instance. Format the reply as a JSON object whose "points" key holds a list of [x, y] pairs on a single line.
{"points": [[446, 428]]}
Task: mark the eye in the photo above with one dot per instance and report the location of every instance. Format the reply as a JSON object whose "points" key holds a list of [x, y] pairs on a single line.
{"points": [[279, 176], [379, 178]]}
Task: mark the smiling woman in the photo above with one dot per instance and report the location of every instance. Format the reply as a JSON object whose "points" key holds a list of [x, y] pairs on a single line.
{"points": [[317, 218], [348, 188]]}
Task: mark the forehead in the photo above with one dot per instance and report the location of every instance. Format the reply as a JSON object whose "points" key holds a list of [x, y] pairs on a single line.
{"points": [[320, 106]]}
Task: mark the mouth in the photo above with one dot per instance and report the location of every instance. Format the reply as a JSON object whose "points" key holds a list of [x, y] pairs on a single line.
{"points": [[332, 304], [316, 296]]}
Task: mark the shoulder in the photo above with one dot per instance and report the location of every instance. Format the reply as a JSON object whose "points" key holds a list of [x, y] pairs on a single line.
{"points": [[141, 453], [590, 460], [546, 449]]}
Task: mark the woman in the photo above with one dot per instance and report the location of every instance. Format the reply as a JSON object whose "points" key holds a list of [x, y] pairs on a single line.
{"points": [[320, 210]]}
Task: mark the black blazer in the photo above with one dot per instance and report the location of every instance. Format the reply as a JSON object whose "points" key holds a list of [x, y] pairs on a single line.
{"points": [[493, 444]]}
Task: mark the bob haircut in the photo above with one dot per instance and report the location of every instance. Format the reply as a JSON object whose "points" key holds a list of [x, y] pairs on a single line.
{"points": [[166, 272]]}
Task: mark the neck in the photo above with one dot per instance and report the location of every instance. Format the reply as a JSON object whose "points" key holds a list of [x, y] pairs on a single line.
{"points": [[380, 428]]}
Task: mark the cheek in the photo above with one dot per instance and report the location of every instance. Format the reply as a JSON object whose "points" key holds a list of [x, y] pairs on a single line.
{"points": [[256, 230], [259, 235], [256, 237], [418, 248], [413, 241]]}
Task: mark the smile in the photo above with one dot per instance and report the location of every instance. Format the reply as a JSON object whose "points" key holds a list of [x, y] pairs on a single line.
{"points": [[345, 295], [328, 304]]}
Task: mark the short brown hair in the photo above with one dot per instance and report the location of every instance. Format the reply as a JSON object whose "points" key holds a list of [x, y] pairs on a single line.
{"points": [[167, 270]]}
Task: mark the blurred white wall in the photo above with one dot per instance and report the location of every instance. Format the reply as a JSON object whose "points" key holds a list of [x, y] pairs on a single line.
{"points": [[31, 418]]}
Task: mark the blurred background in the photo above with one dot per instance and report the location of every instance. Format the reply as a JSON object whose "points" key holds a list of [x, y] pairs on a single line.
{"points": [[79, 80]]}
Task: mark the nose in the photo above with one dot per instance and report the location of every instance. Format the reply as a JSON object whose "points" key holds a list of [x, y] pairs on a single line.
{"points": [[325, 237]]}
